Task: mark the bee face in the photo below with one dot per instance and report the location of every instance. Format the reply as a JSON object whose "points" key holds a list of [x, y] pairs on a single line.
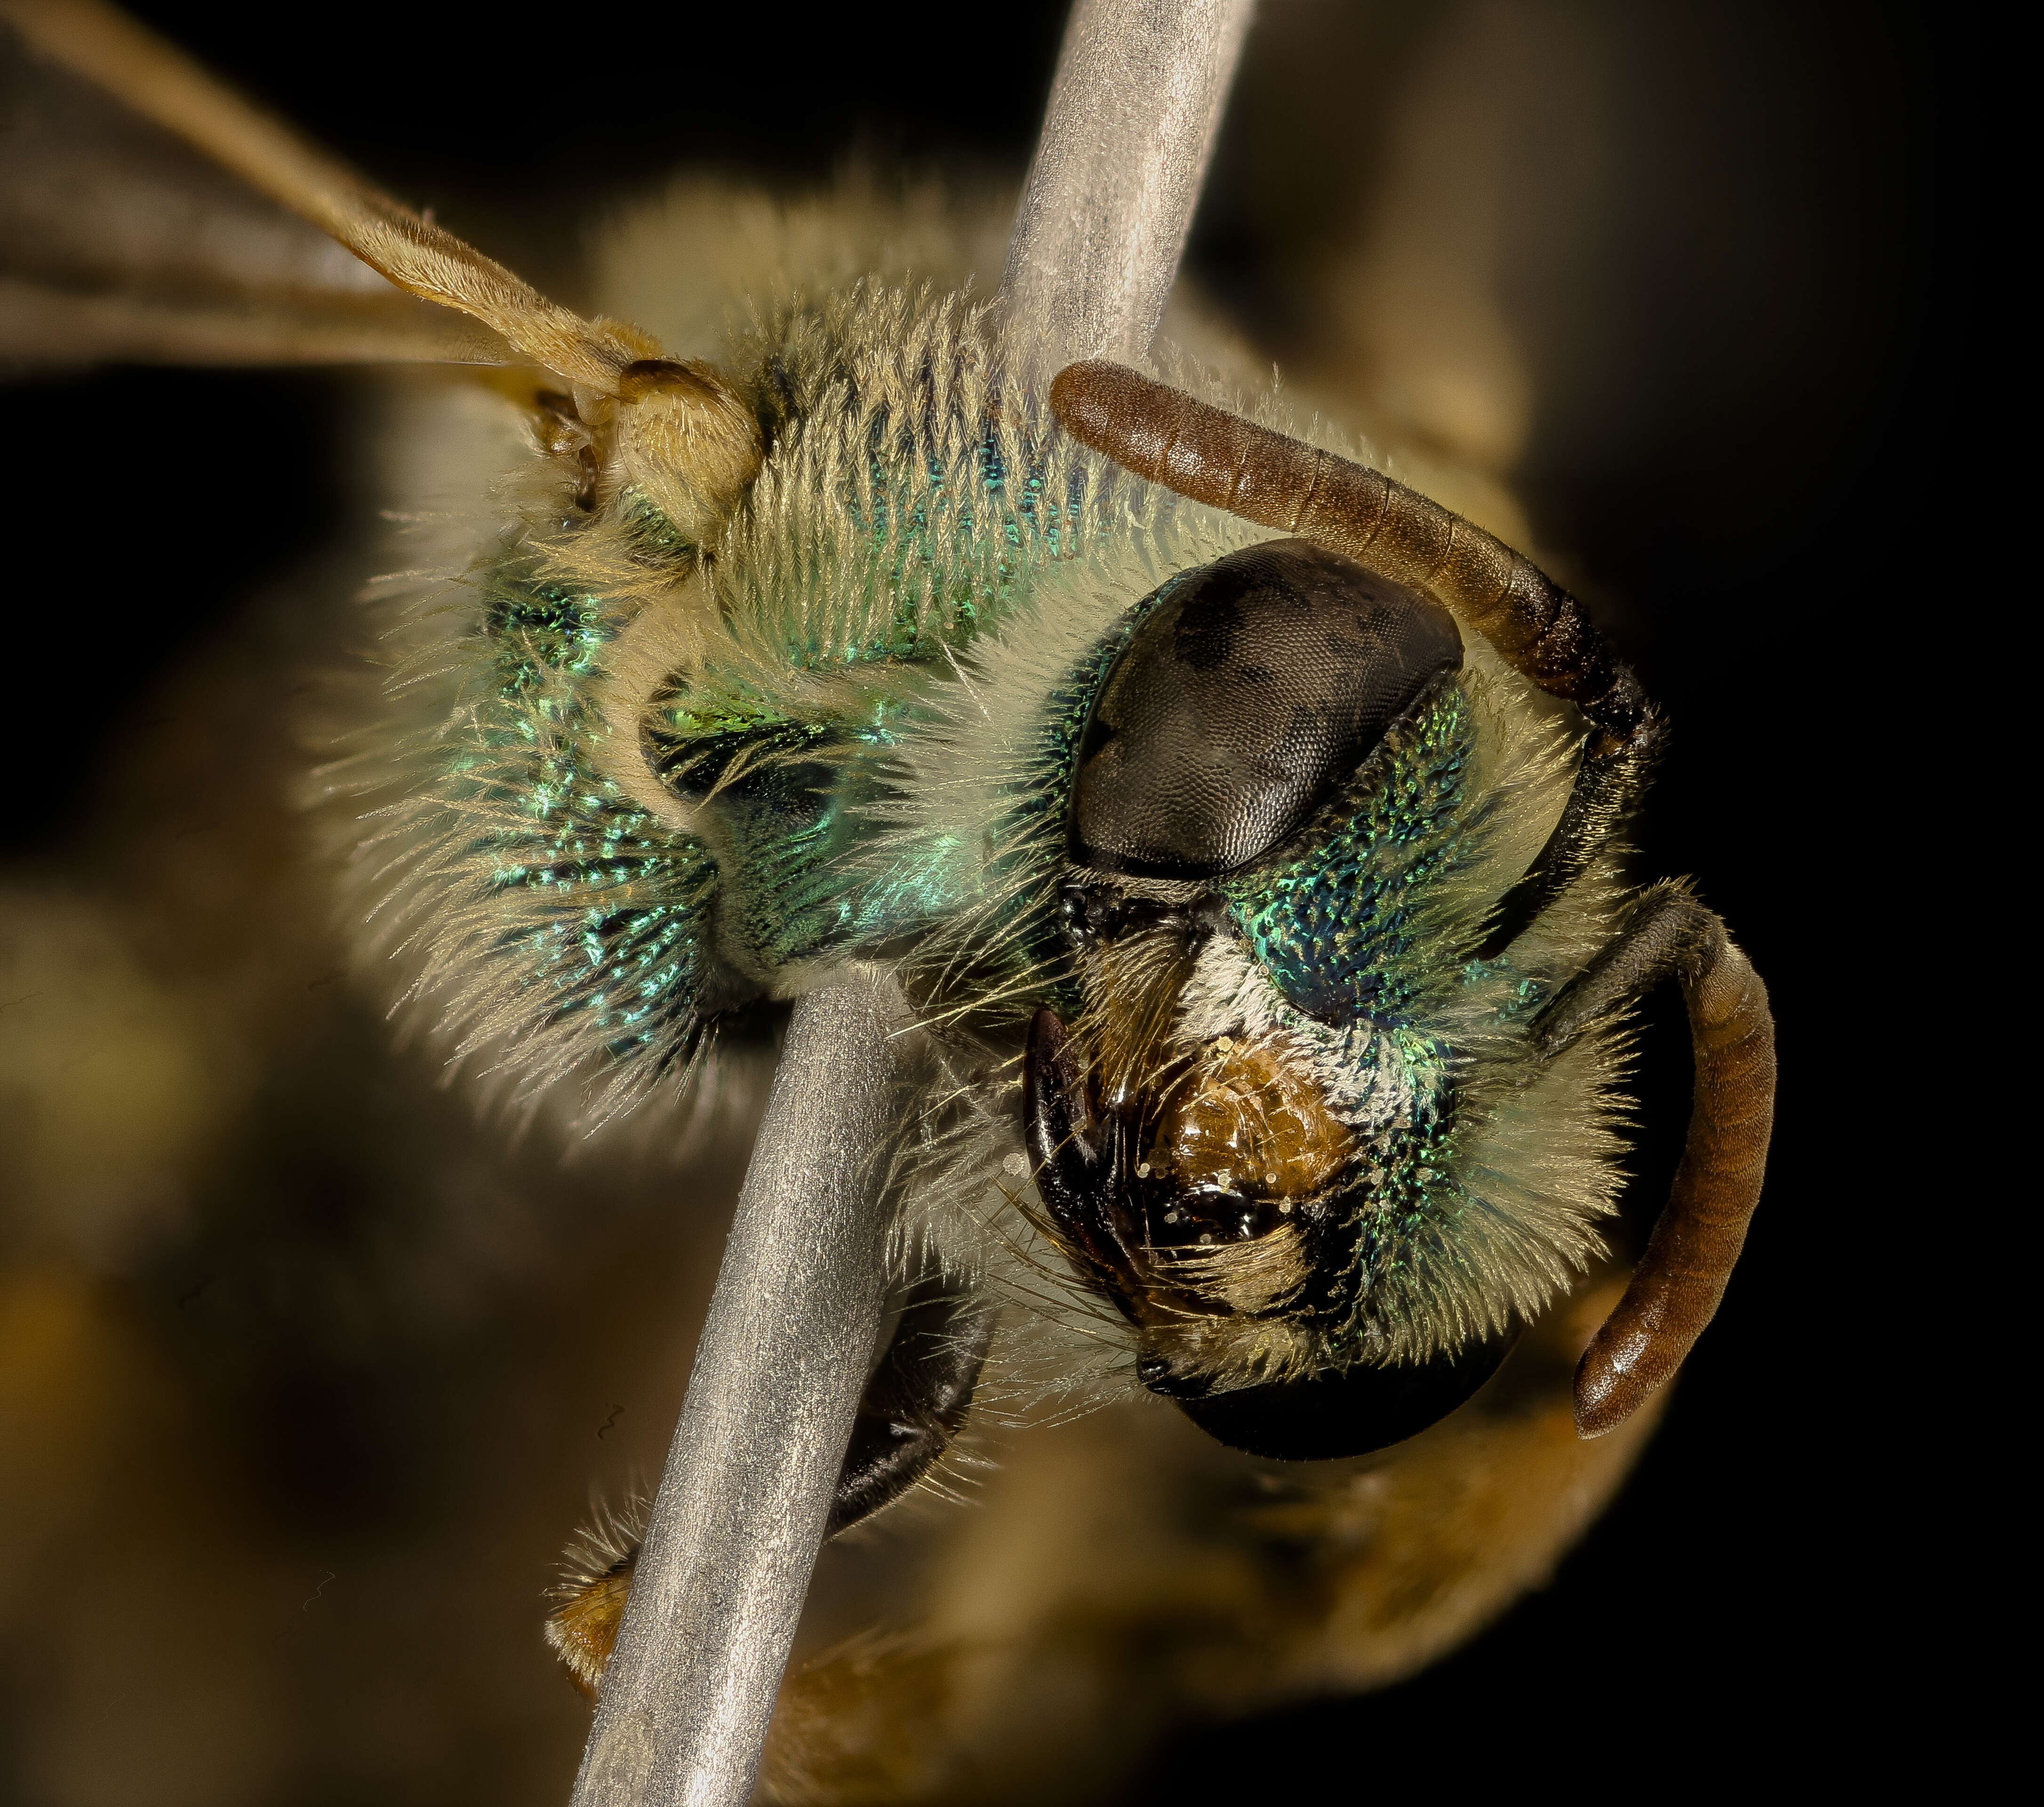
{"points": [[1257, 1140]]}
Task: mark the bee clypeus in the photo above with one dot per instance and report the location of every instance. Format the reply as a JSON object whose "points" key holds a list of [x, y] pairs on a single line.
{"points": [[1244, 835]]}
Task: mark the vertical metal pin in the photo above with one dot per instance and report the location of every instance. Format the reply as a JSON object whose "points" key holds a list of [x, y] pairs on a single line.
{"points": [[1135, 111], [740, 1516]]}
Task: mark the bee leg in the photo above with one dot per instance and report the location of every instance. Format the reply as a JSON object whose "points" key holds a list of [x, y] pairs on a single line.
{"points": [[916, 1402], [581, 1631], [913, 1406], [1676, 1288]]}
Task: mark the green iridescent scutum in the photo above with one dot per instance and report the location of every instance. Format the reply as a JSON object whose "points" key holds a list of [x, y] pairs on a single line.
{"points": [[793, 792]]}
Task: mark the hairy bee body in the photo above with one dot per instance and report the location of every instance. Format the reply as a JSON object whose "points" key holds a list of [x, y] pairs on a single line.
{"points": [[647, 780], [644, 780], [789, 653]]}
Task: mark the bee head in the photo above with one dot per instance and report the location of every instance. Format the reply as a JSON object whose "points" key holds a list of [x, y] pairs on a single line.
{"points": [[1214, 1185]]}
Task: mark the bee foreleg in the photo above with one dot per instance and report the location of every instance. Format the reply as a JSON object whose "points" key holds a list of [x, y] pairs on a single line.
{"points": [[916, 1402], [1675, 1290]]}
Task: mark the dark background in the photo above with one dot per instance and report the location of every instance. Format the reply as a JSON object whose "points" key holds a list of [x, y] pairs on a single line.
{"points": [[1735, 390]]}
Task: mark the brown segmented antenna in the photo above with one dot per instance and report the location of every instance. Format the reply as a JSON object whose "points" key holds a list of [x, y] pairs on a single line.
{"points": [[1212, 456], [1215, 457], [1675, 1290], [1676, 1286]]}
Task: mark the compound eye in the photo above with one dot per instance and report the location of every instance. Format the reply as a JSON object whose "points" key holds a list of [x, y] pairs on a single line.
{"points": [[1258, 684]]}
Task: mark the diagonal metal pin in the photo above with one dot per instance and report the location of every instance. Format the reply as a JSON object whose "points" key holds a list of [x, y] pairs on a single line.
{"points": [[1134, 111]]}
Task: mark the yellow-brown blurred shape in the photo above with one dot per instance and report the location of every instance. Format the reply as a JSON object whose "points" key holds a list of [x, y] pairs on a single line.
{"points": [[583, 1628]]}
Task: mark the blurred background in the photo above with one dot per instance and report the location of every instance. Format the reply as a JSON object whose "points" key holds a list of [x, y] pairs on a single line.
{"points": [[306, 1368]]}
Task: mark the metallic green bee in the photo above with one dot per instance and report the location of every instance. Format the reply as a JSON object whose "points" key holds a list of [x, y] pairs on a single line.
{"points": [[1238, 835], [910, 677]]}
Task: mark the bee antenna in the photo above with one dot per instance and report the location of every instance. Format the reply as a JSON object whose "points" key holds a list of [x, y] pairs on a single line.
{"points": [[1676, 1288]]}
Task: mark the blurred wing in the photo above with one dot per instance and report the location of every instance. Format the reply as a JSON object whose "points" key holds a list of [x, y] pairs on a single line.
{"points": [[119, 240], [130, 229]]}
